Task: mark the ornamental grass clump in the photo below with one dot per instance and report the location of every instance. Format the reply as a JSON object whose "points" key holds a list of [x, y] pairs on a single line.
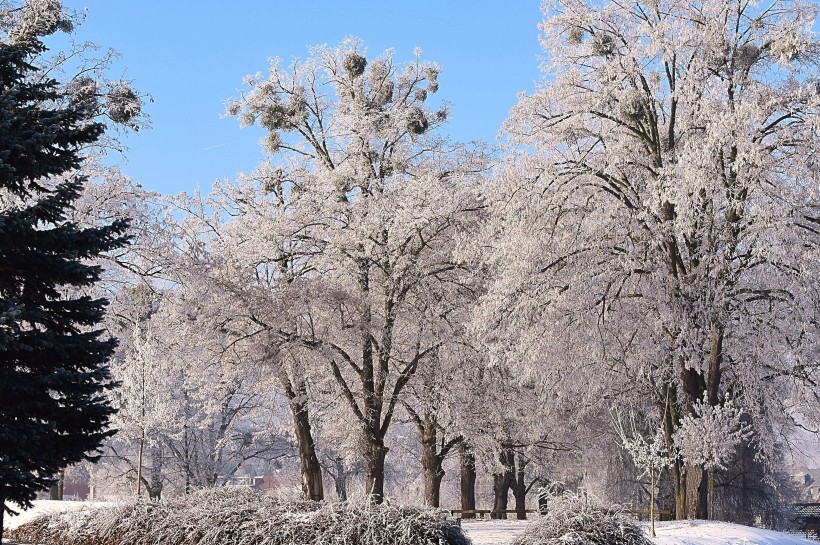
{"points": [[578, 519], [233, 516]]}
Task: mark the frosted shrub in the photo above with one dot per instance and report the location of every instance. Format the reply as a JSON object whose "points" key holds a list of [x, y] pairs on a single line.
{"points": [[231, 516], [578, 519]]}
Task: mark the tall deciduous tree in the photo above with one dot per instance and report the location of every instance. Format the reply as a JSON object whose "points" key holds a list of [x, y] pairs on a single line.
{"points": [[368, 193], [667, 185], [53, 373]]}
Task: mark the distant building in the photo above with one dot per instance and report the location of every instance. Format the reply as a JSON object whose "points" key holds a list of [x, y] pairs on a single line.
{"points": [[809, 482]]}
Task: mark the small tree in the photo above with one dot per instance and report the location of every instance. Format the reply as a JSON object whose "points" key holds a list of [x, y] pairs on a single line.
{"points": [[53, 376], [650, 455]]}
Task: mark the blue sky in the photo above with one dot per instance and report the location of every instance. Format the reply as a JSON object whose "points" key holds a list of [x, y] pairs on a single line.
{"points": [[191, 57]]}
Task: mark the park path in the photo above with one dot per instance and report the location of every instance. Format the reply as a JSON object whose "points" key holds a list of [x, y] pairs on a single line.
{"points": [[493, 532]]}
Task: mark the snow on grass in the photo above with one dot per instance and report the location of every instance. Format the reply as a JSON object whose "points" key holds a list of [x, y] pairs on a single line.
{"points": [[701, 532], [695, 532], [45, 507], [493, 532]]}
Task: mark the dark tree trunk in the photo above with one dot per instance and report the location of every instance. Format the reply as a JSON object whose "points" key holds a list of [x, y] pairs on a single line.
{"points": [[697, 507], [311, 471], [502, 482], [55, 492], [2, 515], [430, 461], [153, 485], [374, 455], [468, 476], [696, 492], [434, 451], [679, 487], [519, 488], [669, 414], [340, 479]]}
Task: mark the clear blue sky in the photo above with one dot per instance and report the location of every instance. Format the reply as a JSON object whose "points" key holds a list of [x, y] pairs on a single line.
{"points": [[191, 56]]}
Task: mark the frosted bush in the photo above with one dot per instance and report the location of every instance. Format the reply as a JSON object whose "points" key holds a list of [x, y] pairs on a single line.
{"points": [[579, 519], [235, 516]]}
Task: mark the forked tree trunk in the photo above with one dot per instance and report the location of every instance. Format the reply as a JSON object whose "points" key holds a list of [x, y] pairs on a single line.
{"points": [[502, 482], [434, 450], [311, 471], [468, 476]]}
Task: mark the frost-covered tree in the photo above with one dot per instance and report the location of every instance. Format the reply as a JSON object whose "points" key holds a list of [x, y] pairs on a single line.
{"points": [[361, 194], [193, 412], [659, 213], [650, 455]]}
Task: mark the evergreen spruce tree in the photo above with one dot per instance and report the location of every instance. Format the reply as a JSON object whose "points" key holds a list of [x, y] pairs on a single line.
{"points": [[53, 375]]}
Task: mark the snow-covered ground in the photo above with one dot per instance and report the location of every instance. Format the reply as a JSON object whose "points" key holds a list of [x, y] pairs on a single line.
{"points": [[493, 532], [42, 507], [502, 532], [699, 532]]}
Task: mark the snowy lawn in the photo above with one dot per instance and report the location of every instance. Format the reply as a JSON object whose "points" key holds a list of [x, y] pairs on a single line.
{"points": [[44, 507], [699, 532], [503, 532], [493, 532]]}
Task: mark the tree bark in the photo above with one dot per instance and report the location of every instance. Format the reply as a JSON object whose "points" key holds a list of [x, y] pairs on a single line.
{"points": [[519, 488], [669, 415], [468, 476], [374, 455], [153, 485], [2, 515], [431, 462], [55, 491], [340, 479], [679, 490], [696, 492], [311, 471], [502, 482]]}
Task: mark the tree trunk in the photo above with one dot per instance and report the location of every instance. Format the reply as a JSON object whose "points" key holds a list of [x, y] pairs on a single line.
{"points": [[340, 479], [431, 461], [696, 492], [715, 363], [501, 484], [374, 455], [519, 488], [55, 491], [311, 471], [2, 515], [468, 476], [669, 415], [154, 483]]}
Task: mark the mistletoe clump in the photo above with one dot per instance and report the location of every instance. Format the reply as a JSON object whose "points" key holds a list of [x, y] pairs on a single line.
{"points": [[354, 64], [241, 516]]}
